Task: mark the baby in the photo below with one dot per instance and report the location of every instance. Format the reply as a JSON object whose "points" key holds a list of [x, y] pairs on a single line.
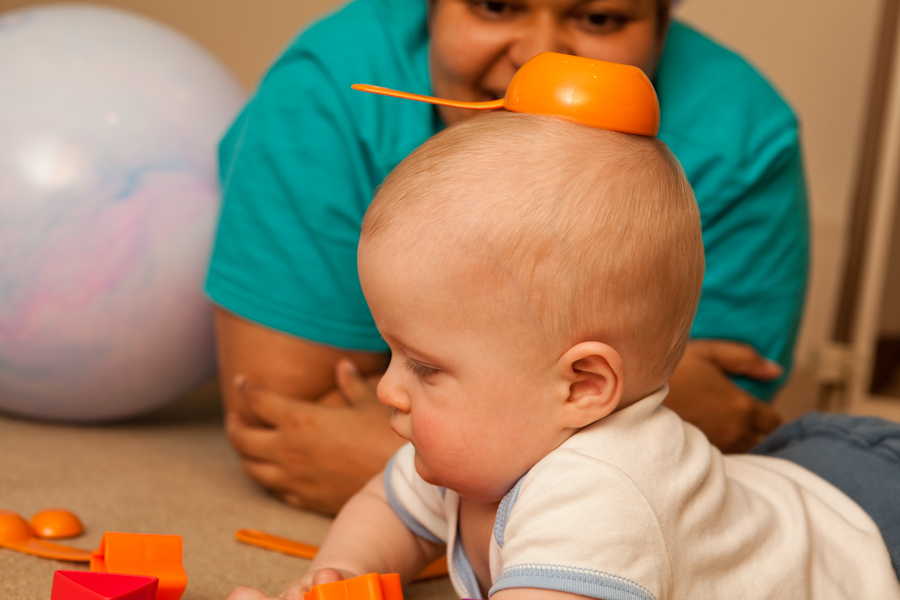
{"points": [[536, 281]]}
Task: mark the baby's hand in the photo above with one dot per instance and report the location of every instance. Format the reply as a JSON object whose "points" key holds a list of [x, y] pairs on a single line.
{"points": [[299, 587], [245, 593]]}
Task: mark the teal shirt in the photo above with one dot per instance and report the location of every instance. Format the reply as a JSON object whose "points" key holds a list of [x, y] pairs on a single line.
{"points": [[302, 161]]}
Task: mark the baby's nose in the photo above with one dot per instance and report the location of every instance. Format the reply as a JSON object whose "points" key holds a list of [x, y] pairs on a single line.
{"points": [[391, 393]]}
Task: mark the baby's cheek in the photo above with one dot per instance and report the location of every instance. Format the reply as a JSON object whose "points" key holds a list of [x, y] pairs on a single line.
{"points": [[443, 431], [456, 454], [423, 428]]}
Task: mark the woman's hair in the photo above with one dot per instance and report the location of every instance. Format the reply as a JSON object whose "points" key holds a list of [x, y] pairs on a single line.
{"points": [[595, 233]]}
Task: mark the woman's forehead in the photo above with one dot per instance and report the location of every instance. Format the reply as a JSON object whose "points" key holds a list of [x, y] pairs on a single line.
{"points": [[564, 4]]}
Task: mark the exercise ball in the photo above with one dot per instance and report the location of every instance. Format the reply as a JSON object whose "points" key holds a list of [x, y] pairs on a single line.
{"points": [[109, 124]]}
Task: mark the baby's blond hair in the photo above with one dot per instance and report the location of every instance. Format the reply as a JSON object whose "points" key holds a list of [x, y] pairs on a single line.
{"points": [[597, 231]]}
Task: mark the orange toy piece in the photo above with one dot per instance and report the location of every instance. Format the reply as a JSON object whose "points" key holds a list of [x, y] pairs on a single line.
{"points": [[16, 534], [56, 524], [143, 554], [261, 539], [593, 92], [365, 587]]}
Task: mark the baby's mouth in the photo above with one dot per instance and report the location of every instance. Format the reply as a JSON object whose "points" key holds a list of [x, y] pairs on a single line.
{"points": [[396, 427]]}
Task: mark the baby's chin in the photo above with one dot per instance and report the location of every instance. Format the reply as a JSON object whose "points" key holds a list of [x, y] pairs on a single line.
{"points": [[471, 492], [426, 473]]}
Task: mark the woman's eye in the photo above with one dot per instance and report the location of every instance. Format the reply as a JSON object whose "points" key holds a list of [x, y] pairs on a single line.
{"points": [[494, 9], [602, 21], [420, 371]]}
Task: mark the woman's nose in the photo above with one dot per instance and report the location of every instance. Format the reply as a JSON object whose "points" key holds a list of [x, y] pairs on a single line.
{"points": [[539, 33]]}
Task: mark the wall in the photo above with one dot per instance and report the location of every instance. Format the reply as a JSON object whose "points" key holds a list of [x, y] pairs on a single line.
{"points": [[246, 35], [818, 53], [890, 310]]}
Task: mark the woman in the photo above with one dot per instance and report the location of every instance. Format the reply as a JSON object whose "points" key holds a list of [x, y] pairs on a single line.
{"points": [[301, 162]]}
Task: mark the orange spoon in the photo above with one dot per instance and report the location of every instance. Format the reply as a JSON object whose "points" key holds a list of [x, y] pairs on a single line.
{"points": [[272, 542], [593, 92], [16, 534]]}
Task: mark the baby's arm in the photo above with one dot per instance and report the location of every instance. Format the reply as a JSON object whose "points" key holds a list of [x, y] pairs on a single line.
{"points": [[366, 537]]}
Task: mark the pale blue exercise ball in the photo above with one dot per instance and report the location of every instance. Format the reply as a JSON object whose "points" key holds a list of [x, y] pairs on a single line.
{"points": [[109, 124]]}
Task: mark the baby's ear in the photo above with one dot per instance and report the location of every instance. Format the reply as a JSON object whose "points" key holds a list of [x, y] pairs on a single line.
{"points": [[596, 383]]}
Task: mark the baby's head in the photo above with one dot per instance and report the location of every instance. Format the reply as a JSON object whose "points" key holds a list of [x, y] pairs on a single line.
{"points": [[531, 275]]}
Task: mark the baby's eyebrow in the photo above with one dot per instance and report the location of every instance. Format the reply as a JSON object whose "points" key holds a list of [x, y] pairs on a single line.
{"points": [[419, 355]]}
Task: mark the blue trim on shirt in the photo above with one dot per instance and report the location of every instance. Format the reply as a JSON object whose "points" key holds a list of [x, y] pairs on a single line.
{"points": [[584, 582], [506, 506], [410, 521], [462, 569]]}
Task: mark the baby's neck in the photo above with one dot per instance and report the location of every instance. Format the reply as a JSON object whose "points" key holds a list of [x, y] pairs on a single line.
{"points": [[630, 398], [476, 526]]}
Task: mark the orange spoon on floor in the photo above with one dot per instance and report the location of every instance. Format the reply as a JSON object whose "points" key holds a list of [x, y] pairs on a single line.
{"points": [[268, 541], [593, 92], [16, 534]]}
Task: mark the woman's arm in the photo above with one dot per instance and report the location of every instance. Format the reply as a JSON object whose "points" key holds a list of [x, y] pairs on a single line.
{"points": [[295, 432], [281, 362], [702, 393]]}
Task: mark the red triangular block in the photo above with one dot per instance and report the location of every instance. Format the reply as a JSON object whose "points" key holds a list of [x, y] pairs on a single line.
{"points": [[84, 585]]}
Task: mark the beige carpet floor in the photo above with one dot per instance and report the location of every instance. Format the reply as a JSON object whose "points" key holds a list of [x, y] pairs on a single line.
{"points": [[170, 472]]}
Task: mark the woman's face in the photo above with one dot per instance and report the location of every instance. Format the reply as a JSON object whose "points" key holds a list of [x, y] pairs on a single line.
{"points": [[477, 46]]}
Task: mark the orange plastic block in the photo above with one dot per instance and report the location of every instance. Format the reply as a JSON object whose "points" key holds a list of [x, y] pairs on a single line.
{"points": [[365, 587], [84, 585], [143, 554]]}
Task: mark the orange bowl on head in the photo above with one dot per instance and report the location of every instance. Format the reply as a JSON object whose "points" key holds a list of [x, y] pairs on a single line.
{"points": [[593, 92]]}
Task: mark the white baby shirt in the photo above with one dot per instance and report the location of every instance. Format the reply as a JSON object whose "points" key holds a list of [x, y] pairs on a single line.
{"points": [[640, 506]]}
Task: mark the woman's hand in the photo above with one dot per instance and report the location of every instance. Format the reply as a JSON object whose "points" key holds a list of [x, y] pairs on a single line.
{"points": [[702, 394], [313, 455]]}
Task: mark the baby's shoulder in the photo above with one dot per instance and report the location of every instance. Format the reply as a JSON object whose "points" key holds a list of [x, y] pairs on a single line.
{"points": [[576, 518], [640, 463], [572, 485]]}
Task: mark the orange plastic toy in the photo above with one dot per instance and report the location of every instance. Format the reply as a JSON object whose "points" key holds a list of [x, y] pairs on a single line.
{"points": [[16, 534], [84, 585], [56, 524], [143, 554], [268, 541], [593, 92], [365, 587], [261, 539]]}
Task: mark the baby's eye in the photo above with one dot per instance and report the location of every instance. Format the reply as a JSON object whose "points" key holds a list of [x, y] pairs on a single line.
{"points": [[421, 371]]}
